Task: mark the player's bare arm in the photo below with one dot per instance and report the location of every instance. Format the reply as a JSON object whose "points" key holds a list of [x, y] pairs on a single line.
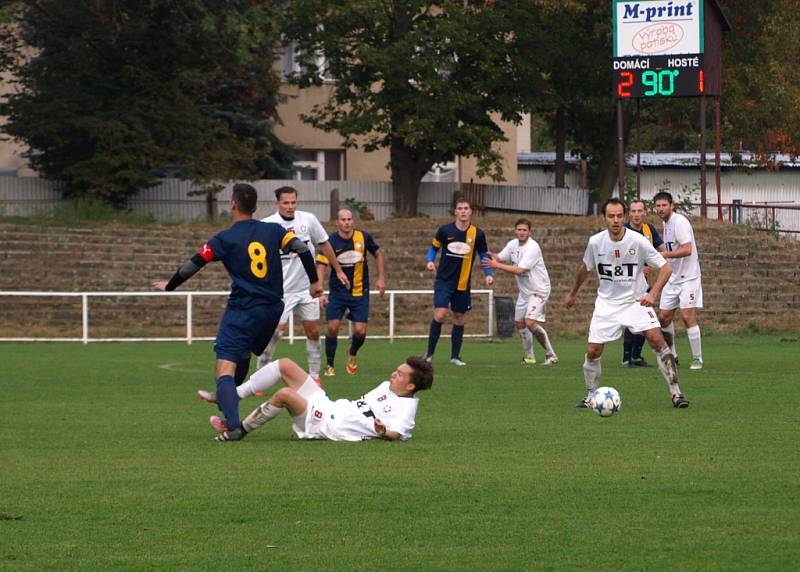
{"points": [[322, 272], [327, 250], [661, 279], [494, 263], [682, 251], [580, 277], [380, 262]]}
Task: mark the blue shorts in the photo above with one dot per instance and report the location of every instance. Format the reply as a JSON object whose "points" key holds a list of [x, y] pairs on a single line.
{"points": [[243, 331], [445, 295], [357, 307]]}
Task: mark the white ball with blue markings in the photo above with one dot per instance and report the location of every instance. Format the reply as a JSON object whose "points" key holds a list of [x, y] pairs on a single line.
{"points": [[606, 401]]}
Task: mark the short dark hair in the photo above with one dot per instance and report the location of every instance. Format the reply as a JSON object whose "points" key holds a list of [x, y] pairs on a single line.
{"points": [[639, 201], [245, 197], [422, 374], [524, 221], [286, 190], [663, 196], [615, 201], [461, 199]]}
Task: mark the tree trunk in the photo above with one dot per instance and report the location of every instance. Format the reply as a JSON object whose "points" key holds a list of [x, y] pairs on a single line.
{"points": [[407, 173], [607, 172], [561, 147]]}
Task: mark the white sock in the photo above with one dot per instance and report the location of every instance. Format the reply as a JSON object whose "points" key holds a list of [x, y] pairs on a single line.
{"points": [[541, 336], [260, 415], [261, 380], [314, 356], [527, 343], [269, 351], [591, 373], [693, 334], [666, 364], [670, 329]]}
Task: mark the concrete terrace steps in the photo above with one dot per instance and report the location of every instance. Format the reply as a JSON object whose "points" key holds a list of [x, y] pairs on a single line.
{"points": [[737, 264]]}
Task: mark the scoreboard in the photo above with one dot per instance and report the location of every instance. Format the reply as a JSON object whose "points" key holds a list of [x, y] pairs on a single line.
{"points": [[658, 76]]}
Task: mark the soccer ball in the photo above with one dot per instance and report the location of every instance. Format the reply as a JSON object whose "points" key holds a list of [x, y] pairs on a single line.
{"points": [[606, 401]]}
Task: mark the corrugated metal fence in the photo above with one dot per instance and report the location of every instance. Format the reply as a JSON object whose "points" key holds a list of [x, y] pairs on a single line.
{"points": [[171, 200]]}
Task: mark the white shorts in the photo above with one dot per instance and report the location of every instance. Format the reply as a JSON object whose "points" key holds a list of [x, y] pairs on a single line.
{"points": [[304, 306], [687, 294], [610, 320], [530, 308], [307, 425]]}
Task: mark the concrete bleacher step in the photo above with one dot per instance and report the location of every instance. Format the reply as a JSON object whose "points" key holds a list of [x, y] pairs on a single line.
{"points": [[748, 277]]}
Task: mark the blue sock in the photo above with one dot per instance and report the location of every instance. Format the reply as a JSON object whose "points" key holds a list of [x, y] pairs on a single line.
{"points": [[242, 367], [627, 347], [330, 349], [457, 337], [356, 344], [228, 400], [638, 344], [433, 336]]}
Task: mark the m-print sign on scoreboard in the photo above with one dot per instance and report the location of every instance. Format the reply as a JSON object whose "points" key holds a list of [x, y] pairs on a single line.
{"points": [[658, 48]]}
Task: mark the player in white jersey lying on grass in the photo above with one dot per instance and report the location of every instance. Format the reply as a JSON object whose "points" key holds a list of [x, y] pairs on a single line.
{"points": [[387, 412], [619, 255]]}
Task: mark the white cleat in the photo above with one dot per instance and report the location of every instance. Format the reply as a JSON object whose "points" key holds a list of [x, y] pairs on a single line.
{"points": [[207, 396], [697, 363], [456, 361], [550, 360]]}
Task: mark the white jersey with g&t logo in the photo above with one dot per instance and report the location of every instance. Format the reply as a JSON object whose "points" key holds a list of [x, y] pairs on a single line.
{"points": [[678, 230], [307, 228], [620, 264]]}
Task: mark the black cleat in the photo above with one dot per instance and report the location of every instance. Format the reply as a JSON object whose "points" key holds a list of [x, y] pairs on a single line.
{"points": [[639, 362], [234, 435], [583, 404], [679, 401]]}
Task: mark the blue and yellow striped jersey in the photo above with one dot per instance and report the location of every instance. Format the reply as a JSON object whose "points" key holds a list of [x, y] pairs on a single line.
{"points": [[458, 248], [352, 256]]}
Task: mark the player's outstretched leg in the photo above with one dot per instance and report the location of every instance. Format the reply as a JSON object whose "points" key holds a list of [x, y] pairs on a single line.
{"points": [[433, 338], [544, 340], [667, 366]]}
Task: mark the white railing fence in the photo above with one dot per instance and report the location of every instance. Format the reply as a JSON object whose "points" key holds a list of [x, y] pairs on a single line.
{"points": [[390, 299]]}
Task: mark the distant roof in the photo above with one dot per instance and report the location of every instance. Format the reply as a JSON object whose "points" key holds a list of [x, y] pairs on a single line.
{"points": [[666, 159]]}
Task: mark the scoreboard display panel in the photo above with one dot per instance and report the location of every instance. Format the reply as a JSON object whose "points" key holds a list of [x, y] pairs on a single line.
{"points": [[658, 76]]}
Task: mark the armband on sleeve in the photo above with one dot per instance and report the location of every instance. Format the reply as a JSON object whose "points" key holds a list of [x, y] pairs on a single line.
{"points": [[486, 271], [186, 271], [296, 245], [431, 255], [322, 259]]}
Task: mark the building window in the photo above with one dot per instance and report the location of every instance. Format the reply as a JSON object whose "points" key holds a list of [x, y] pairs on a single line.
{"points": [[313, 165], [290, 63]]}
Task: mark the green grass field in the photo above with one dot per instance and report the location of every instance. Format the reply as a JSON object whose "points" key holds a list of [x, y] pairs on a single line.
{"points": [[107, 464]]}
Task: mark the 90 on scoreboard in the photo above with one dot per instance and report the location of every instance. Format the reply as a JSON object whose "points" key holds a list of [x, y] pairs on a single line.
{"points": [[658, 76]]}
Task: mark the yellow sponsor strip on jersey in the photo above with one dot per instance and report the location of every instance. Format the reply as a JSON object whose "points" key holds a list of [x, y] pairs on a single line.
{"points": [[358, 269], [648, 234], [466, 263]]}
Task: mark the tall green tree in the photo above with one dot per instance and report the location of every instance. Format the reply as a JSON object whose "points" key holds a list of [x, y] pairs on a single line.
{"points": [[111, 93], [422, 79]]}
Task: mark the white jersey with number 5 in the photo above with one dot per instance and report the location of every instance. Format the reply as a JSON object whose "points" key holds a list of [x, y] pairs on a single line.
{"points": [[678, 230], [528, 256], [619, 264], [307, 228]]}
